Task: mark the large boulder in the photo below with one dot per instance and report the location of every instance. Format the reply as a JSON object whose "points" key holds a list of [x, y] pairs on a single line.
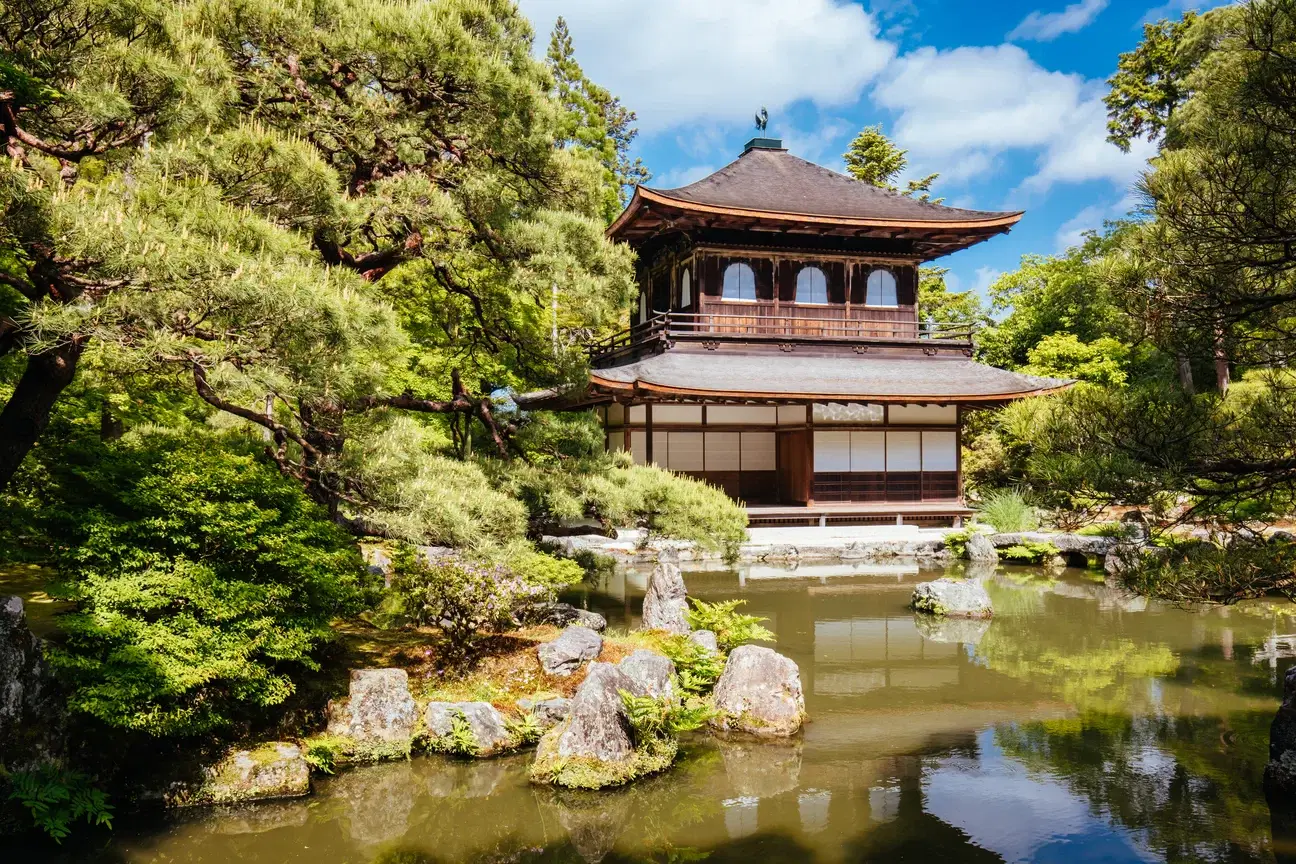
{"points": [[981, 548], [759, 692], [573, 647], [649, 673], [1122, 557], [33, 716], [562, 615], [597, 727], [547, 712], [378, 712], [275, 770], [488, 728], [953, 598], [665, 605], [1280, 773]]}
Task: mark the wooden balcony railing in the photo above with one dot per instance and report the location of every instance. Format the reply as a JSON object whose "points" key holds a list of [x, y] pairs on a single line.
{"points": [[665, 328]]}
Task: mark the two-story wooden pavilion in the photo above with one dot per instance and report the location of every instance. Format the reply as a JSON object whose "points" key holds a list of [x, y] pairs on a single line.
{"points": [[778, 350]]}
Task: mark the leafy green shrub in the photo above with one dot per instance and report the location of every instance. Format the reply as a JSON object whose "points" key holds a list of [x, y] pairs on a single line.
{"points": [[1105, 529], [622, 495], [325, 752], [525, 730], [697, 669], [56, 799], [203, 581], [1029, 553], [1194, 571], [461, 741], [459, 597], [732, 628], [540, 569], [1007, 511]]}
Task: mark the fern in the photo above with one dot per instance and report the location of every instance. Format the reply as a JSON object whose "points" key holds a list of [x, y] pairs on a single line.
{"points": [[1029, 553], [56, 799], [732, 628], [526, 730], [662, 717], [461, 741], [698, 668]]}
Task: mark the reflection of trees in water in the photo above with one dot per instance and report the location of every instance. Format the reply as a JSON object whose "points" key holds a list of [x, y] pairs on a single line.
{"points": [[1193, 784]]}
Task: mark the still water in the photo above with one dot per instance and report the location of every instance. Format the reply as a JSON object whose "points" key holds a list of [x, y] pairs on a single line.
{"points": [[1080, 725]]}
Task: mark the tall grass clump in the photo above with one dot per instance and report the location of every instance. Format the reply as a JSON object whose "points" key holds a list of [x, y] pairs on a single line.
{"points": [[1008, 511]]}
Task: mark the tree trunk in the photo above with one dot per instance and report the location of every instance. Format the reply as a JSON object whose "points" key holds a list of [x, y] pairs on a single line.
{"points": [[1222, 379], [27, 412], [1185, 374]]}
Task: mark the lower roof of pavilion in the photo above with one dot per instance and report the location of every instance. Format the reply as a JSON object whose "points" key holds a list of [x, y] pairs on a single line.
{"points": [[785, 377]]}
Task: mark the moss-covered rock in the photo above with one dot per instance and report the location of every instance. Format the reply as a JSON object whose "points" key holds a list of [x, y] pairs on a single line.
{"points": [[652, 756], [759, 693], [274, 770]]}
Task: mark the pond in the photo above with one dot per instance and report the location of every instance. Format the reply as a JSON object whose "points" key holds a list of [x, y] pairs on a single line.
{"points": [[1080, 725]]}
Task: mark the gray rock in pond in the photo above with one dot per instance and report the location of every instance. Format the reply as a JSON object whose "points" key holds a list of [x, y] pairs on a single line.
{"points": [[487, 724], [981, 548], [574, 646], [563, 615], [759, 692], [33, 712], [665, 605], [964, 631], [952, 598], [548, 712], [379, 709], [649, 673], [597, 727], [706, 639], [1280, 773], [276, 770], [1121, 558]]}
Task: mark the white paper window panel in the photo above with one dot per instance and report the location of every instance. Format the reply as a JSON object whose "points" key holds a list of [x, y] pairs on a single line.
{"points": [[661, 448], [832, 451], [638, 414], [759, 451], [868, 451], [722, 451], [946, 415], [841, 412], [638, 447], [616, 414], [685, 452], [904, 451], [940, 451], [691, 414], [792, 414], [765, 415], [616, 441]]}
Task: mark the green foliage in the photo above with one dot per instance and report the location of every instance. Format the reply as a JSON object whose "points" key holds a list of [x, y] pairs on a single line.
{"points": [[1008, 511], [1062, 355], [663, 717], [542, 570], [697, 668], [324, 753], [652, 756], [1151, 81], [1195, 571], [1030, 552], [732, 628], [1104, 529], [202, 579], [618, 494], [461, 740], [874, 159], [459, 597], [525, 730], [56, 799], [937, 303], [957, 541]]}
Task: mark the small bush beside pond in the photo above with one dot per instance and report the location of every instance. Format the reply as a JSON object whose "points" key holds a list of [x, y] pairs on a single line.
{"points": [[731, 627], [1029, 553], [1008, 511]]}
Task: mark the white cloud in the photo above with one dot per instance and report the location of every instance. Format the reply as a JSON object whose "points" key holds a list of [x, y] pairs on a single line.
{"points": [[1047, 26], [985, 277], [682, 176], [959, 109], [1072, 232], [680, 61], [824, 144]]}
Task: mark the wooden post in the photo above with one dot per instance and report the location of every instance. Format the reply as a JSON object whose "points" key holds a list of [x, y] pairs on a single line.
{"points": [[648, 431]]}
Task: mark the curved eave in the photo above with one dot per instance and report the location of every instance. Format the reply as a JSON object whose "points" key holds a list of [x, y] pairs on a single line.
{"points": [[642, 387], [1002, 221]]}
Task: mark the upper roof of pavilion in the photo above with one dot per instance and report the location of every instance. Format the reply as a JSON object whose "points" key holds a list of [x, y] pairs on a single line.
{"points": [[769, 189]]}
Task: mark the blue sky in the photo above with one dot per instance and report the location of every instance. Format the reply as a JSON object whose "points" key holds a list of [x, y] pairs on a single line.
{"points": [[1004, 98]]}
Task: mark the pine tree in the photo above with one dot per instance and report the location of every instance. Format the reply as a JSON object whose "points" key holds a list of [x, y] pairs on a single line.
{"points": [[873, 158]]}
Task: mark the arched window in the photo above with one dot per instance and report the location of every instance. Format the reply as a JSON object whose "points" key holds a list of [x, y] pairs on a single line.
{"points": [[812, 286], [686, 289], [881, 289], [739, 283]]}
